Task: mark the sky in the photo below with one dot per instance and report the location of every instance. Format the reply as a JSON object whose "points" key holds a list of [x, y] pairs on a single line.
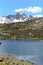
{"points": [[29, 7]]}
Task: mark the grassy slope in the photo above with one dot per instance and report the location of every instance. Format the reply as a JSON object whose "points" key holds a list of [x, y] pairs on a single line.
{"points": [[22, 30]]}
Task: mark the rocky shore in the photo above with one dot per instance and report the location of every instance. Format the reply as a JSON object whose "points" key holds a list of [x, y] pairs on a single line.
{"points": [[10, 60]]}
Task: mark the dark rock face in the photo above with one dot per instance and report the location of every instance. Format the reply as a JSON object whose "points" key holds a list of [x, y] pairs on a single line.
{"points": [[22, 16], [11, 17], [19, 16]]}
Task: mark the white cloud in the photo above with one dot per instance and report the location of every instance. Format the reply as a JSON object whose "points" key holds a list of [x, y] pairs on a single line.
{"points": [[38, 15], [19, 10], [34, 9], [29, 9]]}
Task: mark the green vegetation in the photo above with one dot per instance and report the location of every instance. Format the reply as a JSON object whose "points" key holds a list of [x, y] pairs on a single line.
{"points": [[28, 30]]}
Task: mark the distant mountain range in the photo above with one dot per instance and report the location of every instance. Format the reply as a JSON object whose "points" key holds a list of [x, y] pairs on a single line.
{"points": [[15, 18]]}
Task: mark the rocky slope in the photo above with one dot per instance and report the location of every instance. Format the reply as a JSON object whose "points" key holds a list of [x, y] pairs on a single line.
{"points": [[31, 29], [8, 60]]}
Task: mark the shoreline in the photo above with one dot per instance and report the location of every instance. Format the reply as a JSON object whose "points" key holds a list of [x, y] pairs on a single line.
{"points": [[12, 60]]}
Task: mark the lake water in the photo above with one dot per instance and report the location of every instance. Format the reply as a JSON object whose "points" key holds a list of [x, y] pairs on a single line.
{"points": [[25, 50]]}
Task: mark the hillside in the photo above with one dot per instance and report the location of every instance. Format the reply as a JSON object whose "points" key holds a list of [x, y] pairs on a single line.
{"points": [[31, 29]]}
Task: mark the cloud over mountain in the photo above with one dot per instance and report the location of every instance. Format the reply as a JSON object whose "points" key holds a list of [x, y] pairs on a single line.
{"points": [[19, 10], [38, 15], [29, 9]]}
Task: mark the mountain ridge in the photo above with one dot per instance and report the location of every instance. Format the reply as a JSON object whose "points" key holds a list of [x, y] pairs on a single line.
{"points": [[15, 18]]}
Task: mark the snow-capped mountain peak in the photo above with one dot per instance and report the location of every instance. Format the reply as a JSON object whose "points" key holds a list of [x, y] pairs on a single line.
{"points": [[19, 17]]}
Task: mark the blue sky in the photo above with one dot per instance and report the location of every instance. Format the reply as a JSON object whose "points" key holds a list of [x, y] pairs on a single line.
{"points": [[29, 7]]}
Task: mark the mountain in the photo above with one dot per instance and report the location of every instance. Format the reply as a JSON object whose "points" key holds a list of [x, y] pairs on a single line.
{"points": [[4, 19], [15, 18], [31, 29]]}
